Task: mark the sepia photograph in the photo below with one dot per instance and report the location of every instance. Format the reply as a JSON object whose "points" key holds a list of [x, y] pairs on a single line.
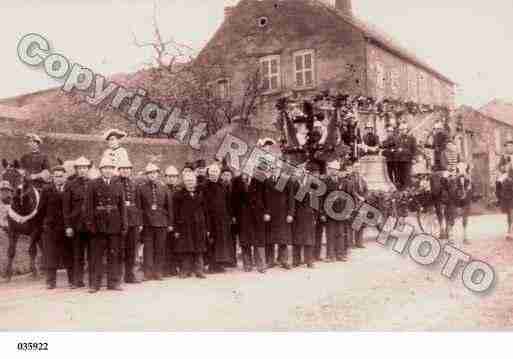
{"points": [[255, 166]]}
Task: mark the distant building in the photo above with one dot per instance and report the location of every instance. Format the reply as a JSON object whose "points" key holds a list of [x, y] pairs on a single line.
{"points": [[307, 45]]}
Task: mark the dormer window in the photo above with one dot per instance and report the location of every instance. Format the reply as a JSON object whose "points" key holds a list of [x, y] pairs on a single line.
{"points": [[304, 67], [270, 73]]}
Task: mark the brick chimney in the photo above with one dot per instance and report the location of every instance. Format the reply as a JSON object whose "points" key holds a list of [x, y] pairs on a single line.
{"points": [[228, 11], [344, 6]]}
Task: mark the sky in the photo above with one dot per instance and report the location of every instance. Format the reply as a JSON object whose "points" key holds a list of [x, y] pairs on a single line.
{"points": [[469, 41]]}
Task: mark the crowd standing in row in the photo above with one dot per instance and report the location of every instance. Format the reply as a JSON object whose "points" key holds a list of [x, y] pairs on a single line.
{"points": [[189, 222]]}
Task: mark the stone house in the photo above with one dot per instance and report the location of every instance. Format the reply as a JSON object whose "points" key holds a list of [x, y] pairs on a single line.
{"points": [[308, 45]]}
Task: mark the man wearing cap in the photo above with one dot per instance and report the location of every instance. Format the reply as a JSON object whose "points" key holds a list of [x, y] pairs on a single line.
{"points": [[406, 150], [134, 220], [370, 146], [172, 261], [6, 192], [74, 207], [115, 152], [192, 227], [282, 207], [106, 219], [220, 219], [58, 248], [390, 153], [36, 165], [158, 221]]}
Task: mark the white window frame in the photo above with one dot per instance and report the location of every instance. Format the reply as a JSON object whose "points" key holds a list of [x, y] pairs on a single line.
{"points": [[270, 76], [303, 71]]}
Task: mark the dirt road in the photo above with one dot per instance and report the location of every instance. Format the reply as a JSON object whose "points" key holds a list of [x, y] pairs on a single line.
{"points": [[376, 290]]}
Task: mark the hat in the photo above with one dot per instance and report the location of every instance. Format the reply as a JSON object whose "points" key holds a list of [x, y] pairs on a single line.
{"points": [[201, 163], [151, 167], [171, 171], [59, 168], [5, 185], [106, 162], [266, 142], [189, 175], [188, 165], [35, 138], [114, 132], [369, 124], [82, 162], [334, 165], [317, 124], [226, 169], [125, 163]]}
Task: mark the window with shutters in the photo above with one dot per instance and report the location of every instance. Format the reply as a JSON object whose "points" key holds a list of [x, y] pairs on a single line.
{"points": [[270, 73], [304, 68]]}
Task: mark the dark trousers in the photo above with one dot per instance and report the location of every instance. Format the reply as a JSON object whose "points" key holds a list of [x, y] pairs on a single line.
{"points": [[252, 255], [270, 248], [283, 254], [129, 247], [58, 252], [319, 229], [81, 245], [108, 245], [35, 241], [307, 252], [335, 240], [404, 174], [392, 171], [154, 251], [172, 260], [190, 262]]}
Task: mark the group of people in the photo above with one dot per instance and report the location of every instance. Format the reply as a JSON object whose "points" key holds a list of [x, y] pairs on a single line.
{"points": [[190, 221]]}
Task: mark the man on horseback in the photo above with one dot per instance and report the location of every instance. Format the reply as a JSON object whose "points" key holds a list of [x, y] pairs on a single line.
{"points": [[36, 167]]}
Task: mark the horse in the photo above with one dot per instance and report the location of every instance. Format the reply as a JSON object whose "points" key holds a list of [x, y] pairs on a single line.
{"points": [[22, 216]]}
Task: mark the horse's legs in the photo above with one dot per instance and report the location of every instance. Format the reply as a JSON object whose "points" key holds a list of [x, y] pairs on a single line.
{"points": [[11, 253], [35, 241]]}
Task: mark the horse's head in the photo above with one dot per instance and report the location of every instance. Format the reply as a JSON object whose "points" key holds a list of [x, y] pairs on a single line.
{"points": [[24, 199]]}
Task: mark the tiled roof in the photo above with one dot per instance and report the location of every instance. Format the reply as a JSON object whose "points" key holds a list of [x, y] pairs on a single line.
{"points": [[501, 110]]}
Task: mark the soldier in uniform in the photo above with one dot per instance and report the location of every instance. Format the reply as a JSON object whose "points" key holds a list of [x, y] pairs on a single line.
{"points": [[335, 241], [36, 165], [282, 206], [406, 150], [389, 152], [172, 261], [134, 220], [74, 200], [106, 219], [115, 152], [192, 227], [58, 249], [220, 219], [158, 219]]}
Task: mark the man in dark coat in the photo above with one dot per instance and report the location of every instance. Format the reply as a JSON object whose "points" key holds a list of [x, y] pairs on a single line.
{"points": [[389, 146], [192, 227], [406, 150], [370, 141], [172, 261], [158, 220], [200, 168], [58, 249], [359, 188], [75, 194], [252, 215], [106, 219], [281, 205], [219, 216], [303, 230], [335, 240], [134, 219], [226, 180]]}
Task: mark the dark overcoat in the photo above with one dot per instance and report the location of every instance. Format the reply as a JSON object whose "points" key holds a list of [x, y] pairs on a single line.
{"points": [[132, 201], [156, 205], [250, 208], [303, 230], [56, 247], [219, 216], [75, 193], [280, 205], [406, 148], [191, 222]]}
